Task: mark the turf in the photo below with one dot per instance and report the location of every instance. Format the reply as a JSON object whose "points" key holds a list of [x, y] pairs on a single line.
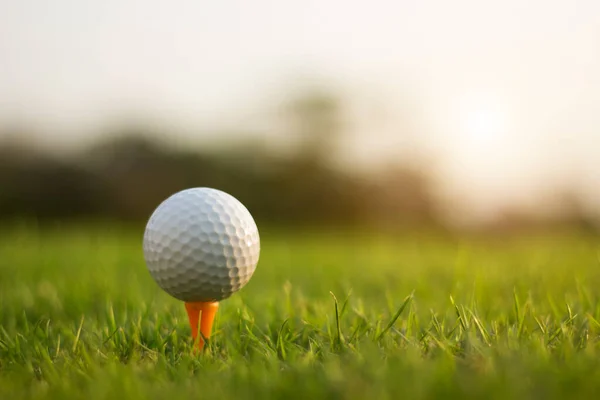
{"points": [[326, 315]]}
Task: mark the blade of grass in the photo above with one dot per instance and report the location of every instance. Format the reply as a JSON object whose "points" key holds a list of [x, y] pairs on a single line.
{"points": [[460, 317], [78, 335], [338, 339], [405, 303]]}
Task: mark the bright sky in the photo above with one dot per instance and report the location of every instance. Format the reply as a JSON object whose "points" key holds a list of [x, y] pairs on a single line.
{"points": [[506, 93]]}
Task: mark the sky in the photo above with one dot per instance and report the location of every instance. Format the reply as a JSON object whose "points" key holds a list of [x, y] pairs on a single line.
{"points": [[505, 95]]}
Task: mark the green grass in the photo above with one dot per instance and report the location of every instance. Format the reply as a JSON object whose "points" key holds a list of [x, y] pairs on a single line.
{"points": [[325, 316]]}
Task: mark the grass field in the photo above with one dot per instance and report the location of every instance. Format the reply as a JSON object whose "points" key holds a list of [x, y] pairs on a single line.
{"points": [[415, 317]]}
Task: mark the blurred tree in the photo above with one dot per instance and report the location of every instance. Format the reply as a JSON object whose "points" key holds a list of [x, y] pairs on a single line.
{"points": [[46, 188], [404, 196], [316, 120]]}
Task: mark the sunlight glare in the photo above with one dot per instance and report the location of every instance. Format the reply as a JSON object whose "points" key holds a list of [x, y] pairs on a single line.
{"points": [[481, 122]]}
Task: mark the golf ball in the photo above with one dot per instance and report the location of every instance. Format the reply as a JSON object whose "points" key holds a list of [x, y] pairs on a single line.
{"points": [[201, 244]]}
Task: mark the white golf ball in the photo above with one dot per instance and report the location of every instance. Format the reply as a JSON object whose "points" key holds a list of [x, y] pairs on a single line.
{"points": [[201, 244]]}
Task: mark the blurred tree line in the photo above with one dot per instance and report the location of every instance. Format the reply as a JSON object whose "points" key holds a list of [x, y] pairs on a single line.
{"points": [[128, 173]]}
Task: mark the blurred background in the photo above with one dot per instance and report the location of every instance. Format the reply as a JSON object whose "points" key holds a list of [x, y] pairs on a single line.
{"points": [[459, 116]]}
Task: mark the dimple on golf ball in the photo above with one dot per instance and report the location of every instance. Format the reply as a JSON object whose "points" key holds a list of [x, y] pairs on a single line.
{"points": [[201, 244]]}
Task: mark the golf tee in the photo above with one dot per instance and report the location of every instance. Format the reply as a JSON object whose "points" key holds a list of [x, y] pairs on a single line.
{"points": [[201, 316]]}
